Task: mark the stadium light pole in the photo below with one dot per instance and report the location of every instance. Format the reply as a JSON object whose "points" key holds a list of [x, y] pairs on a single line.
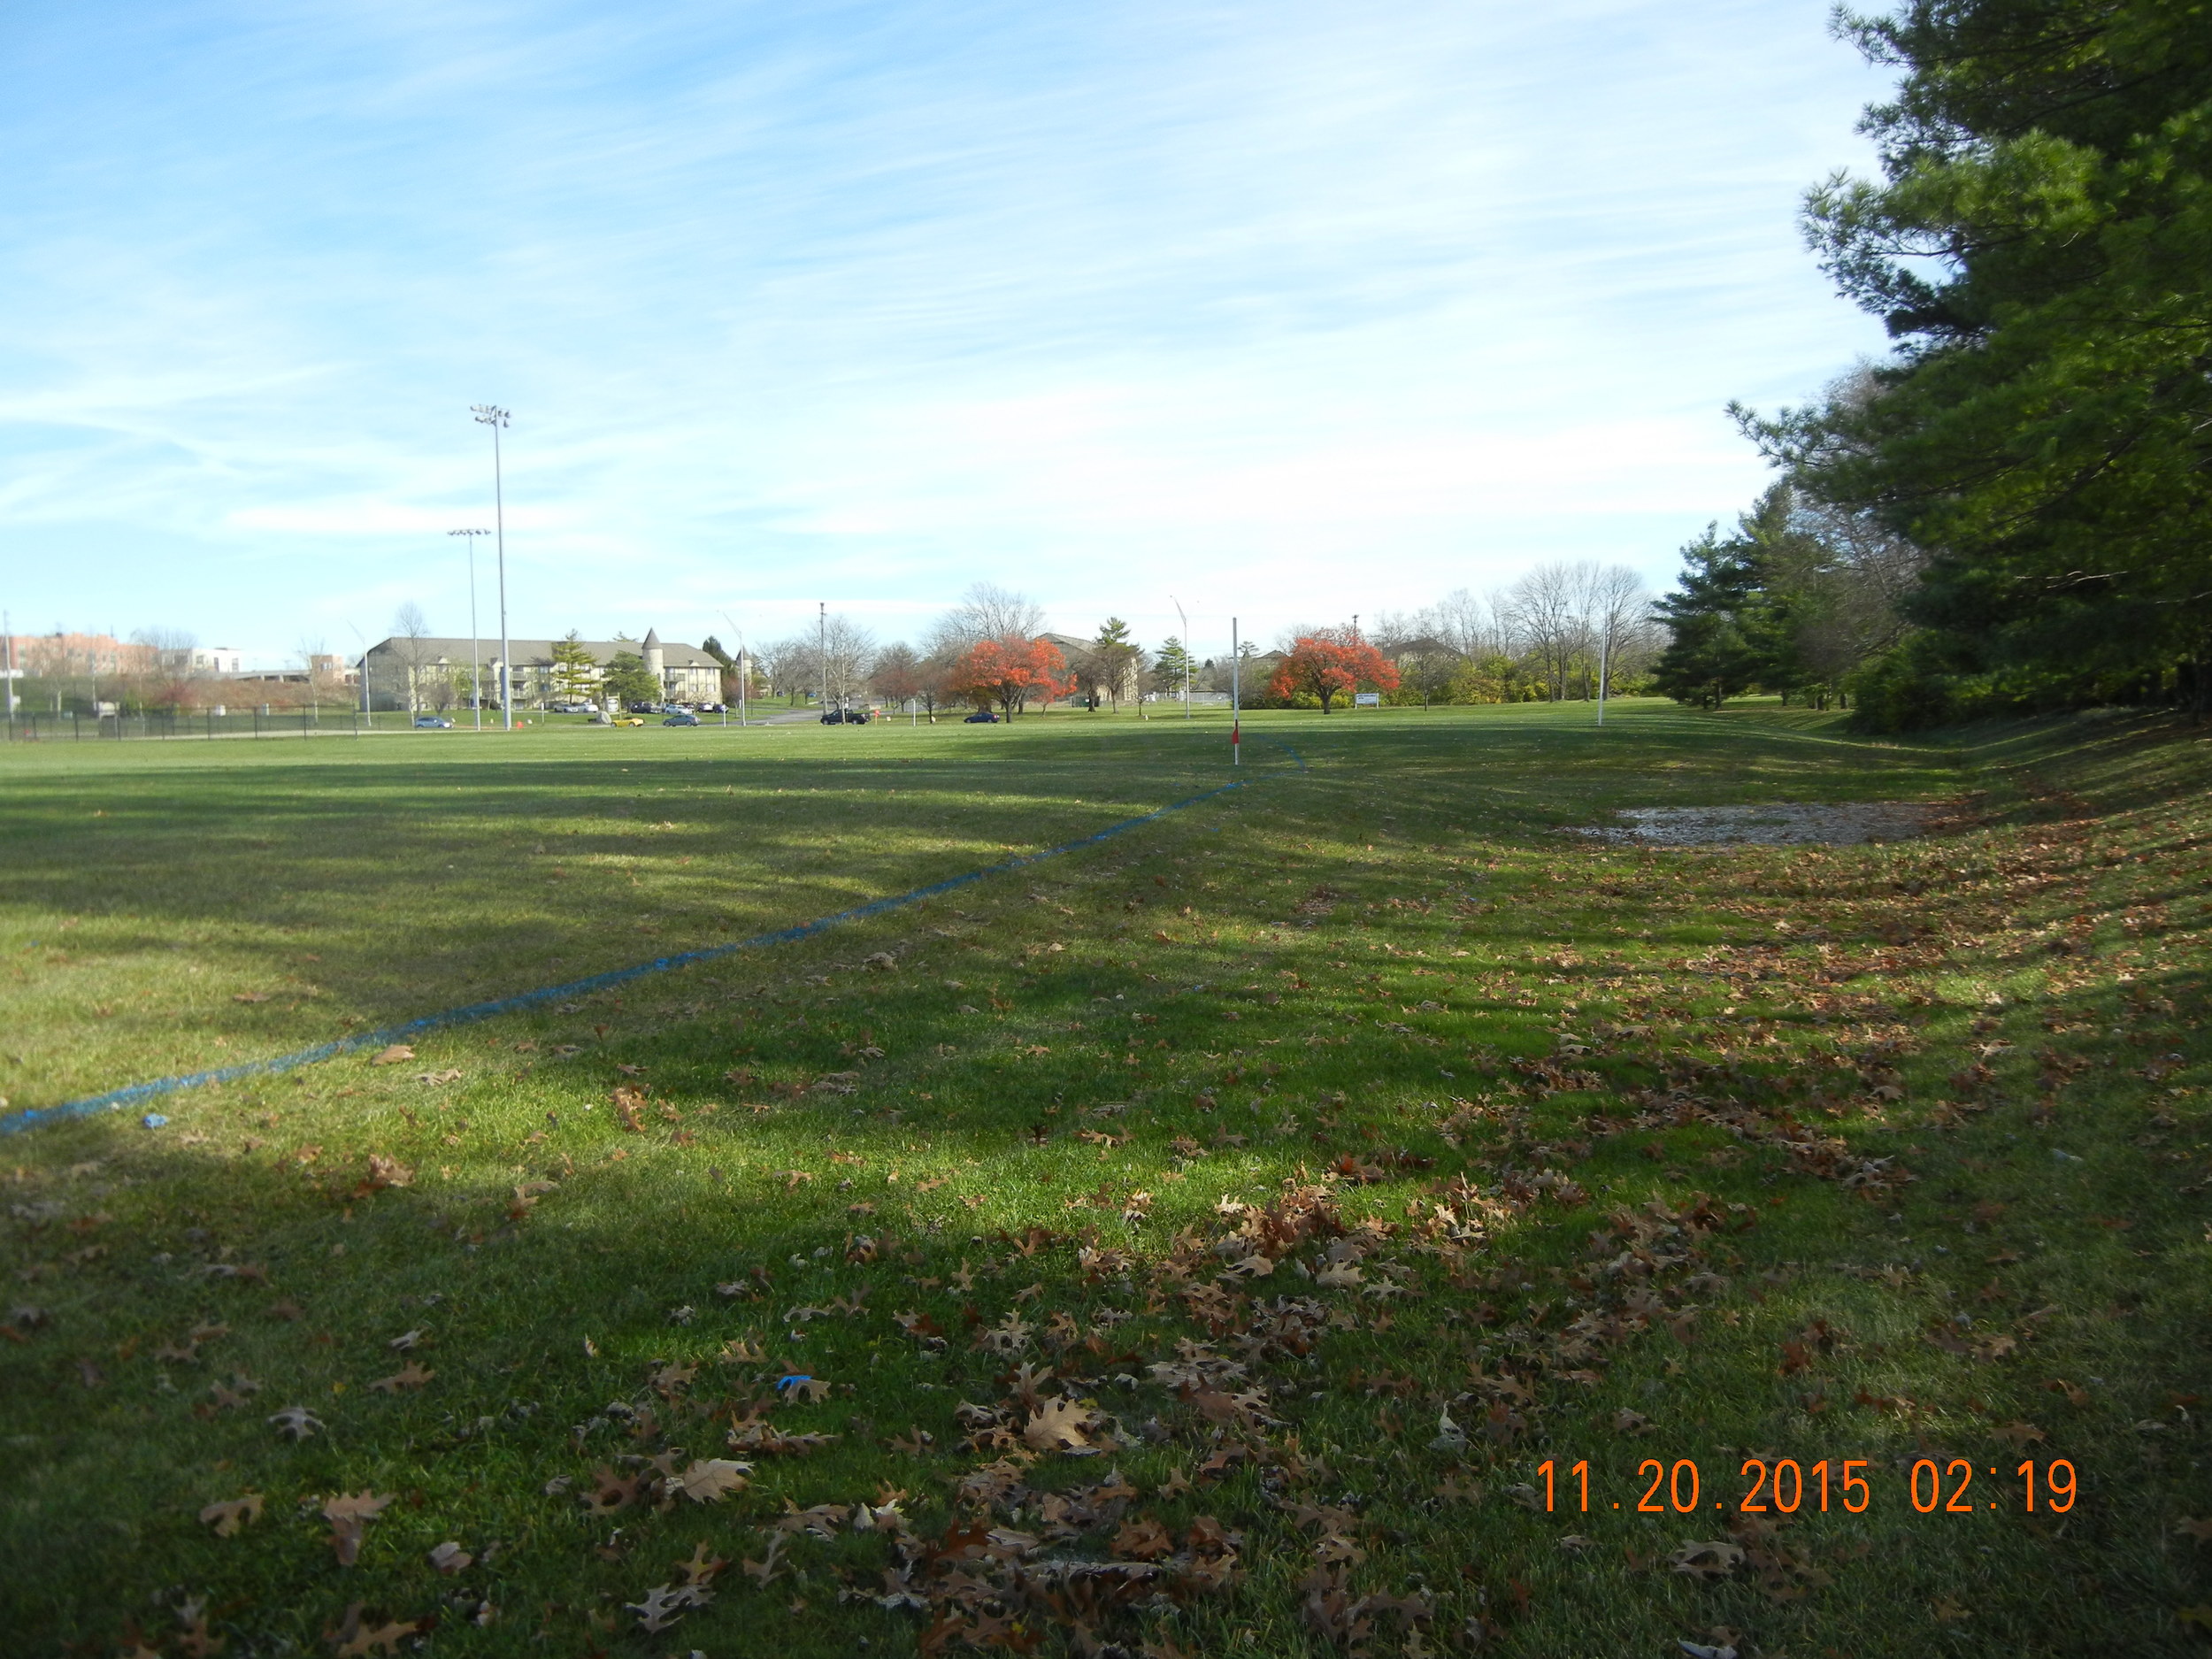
{"points": [[1178, 604], [491, 415], [476, 657], [1236, 698]]}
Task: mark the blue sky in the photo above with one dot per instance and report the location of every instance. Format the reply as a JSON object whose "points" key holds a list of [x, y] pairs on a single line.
{"points": [[1289, 310]]}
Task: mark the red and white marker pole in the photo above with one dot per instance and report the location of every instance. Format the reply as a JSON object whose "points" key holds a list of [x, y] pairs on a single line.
{"points": [[1236, 700]]}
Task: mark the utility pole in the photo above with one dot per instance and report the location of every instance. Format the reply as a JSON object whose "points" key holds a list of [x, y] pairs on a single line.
{"points": [[821, 655], [1605, 646], [7, 635], [491, 415], [476, 666]]}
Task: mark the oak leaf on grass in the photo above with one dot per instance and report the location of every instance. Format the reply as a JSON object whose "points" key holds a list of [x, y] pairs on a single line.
{"points": [[409, 1376], [1142, 1540], [710, 1480], [1060, 1425], [665, 1603], [398, 1053], [703, 1565], [1707, 1560], [297, 1421], [357, 1637], [232, 1513], [349, 1514]]}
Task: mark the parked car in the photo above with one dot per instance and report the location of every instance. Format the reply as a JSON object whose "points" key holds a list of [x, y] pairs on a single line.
{"points": [[629, 719], [644, 708], [571, 708], [683, 717], [981, 716], [713, 708], [846, 717], [432, 723]]}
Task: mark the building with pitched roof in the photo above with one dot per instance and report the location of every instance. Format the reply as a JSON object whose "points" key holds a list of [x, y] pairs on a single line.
{"points": [[434, 671]]}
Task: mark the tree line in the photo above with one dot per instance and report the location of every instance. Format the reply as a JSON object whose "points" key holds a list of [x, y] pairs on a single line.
{"points": [[2008, 513], [1546, 637]]}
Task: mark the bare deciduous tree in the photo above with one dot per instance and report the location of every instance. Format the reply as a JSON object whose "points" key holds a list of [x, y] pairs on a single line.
{"points": [[986, 612], [1549, 614], [409, 633], [173, 647], [898, 673]]}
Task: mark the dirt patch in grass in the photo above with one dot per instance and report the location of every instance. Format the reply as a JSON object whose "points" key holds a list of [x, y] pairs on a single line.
{"points": [[1768, 824]]}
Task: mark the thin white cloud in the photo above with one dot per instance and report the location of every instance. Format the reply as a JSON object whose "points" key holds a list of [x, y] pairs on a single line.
{"points": [[1354, 303]]}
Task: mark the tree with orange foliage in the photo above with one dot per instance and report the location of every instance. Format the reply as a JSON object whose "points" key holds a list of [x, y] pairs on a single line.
{"points": [[1329, 664], [1009, 672]]}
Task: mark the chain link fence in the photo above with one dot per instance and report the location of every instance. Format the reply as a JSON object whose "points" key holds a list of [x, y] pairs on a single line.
{"points": [[70, 726]]}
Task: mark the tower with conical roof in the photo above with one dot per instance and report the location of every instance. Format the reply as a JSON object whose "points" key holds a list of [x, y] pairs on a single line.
{"points": [[655, 662]]}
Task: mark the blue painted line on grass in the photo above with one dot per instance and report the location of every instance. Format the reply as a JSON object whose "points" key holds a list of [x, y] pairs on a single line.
{"points": [[115, 1099]]}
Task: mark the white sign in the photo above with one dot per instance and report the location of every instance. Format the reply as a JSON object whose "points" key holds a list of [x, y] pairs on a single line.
{"points": [[1367, 699]]}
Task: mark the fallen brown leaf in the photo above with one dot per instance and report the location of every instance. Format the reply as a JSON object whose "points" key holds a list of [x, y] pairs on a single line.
{"points": [[233, 1513], [411, 1376]]}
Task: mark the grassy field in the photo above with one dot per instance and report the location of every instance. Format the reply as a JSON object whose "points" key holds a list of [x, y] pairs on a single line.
{"points": [[1200, 1243]]}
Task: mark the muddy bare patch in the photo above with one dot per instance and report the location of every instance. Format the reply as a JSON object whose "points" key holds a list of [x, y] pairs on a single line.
{"points": [[1772, 824]]}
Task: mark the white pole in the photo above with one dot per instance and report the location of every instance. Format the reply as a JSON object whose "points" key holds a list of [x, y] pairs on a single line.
{"points": [[506, 650], [1605, 645], [476, 653], [742, 674], [491, 415], [1236, 698]]}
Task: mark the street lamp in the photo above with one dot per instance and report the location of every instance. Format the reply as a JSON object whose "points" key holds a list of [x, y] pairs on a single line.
{"points": [[1178, 604], [491, 415], [476, 671]]}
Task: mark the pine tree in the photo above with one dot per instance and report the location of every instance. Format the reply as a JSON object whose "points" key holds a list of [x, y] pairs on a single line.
{"points": [[2040, 246], [574, 670]]}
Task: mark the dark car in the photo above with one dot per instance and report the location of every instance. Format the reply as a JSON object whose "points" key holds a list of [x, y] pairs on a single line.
{"points": [[681, 717], [981, 716], [432, 723], [846, 717]]}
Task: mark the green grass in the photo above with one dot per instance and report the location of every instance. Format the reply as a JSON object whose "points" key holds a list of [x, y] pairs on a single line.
{"points": [[1671, 1156]]}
